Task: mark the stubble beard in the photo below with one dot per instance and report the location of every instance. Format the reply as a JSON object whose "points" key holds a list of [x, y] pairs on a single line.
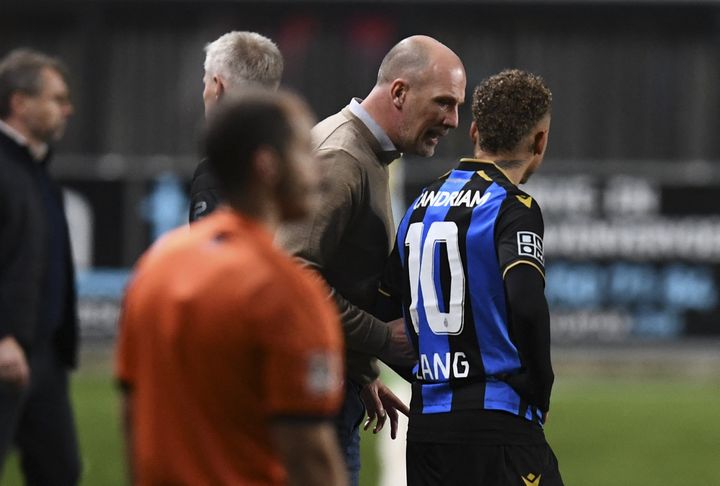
{"points": [[417, 146]]}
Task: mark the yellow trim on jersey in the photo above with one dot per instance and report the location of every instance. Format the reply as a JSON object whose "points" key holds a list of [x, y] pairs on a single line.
{"points": [[480, 161], [514, 264], [526, 200], [484, 175]]}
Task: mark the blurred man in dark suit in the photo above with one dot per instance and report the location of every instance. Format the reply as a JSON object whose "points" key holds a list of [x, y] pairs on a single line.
{"points": [[38, 323]]}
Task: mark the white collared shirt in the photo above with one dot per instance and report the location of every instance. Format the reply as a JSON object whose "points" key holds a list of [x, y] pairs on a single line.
{"points": [[377, 131], [38, 152]]}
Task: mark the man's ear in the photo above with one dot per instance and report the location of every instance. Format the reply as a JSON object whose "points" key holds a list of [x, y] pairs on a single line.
{"points": [[18, 102], [398, 92], [219, 86], [539, 142], [267, 166], [474, 133]]}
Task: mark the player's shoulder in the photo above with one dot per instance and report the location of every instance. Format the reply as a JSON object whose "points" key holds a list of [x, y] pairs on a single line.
{"points": [[277, 275], [437, 184], [159, 265], [165, 248], [297, 300], [519, 200], [303, 286], [220, 247], [428, 195]]}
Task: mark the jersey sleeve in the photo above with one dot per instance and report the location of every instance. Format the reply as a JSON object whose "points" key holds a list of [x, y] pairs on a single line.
{"points": [[302, 364], [530, 323], [204, 193], [519, 234]]}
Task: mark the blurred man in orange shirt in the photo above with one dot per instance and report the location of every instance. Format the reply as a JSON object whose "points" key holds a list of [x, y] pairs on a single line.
{"points": [[230, 355]]}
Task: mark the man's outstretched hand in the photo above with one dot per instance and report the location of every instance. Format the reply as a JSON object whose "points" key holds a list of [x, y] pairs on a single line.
{"points": [[381, 403]]}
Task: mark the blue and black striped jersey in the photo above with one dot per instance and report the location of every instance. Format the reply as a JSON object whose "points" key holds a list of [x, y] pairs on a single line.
{"points": [[453, 248]]}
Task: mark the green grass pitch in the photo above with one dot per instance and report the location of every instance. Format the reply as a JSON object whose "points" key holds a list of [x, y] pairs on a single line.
{"points": [[604, 430]]}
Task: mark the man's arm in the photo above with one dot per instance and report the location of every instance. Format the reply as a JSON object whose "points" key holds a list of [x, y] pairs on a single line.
{"points": [[126, 412], [315, 242], [396, 352], [204, 193], [389, 307], [519, 235], [310, 452], [530, 325], [13, 362], [388, 341]]}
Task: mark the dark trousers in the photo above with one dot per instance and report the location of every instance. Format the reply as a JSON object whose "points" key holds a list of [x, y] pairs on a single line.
{"points": [[39, 421], [347, 426], [432, 464]]}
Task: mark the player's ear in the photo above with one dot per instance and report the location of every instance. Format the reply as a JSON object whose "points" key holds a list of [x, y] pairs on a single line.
{"points": [[541, 136], [539, 142], [267, 166], [474, 133], [398, 92]]}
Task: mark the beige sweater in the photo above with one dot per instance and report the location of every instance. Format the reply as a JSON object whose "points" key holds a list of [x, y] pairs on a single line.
{"points": [[350, 237]]}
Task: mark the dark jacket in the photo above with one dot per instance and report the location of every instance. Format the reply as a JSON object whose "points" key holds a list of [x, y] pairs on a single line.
{"points": [[24, 250], [204, 192]]}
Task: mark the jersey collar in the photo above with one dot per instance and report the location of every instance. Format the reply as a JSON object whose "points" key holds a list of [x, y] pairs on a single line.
{"points": [[468, 163]]}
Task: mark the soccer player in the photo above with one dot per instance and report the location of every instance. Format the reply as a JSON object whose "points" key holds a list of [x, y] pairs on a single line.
{"points": [[468, 264], [230, 354]]}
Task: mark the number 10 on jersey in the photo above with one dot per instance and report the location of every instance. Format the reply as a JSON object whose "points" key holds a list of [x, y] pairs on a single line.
{"points": [[421, 269]]}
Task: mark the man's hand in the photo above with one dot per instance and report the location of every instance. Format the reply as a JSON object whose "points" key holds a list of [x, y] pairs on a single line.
{"points": [[380, 403], [398, 351], [528, 388], [13, 365]]}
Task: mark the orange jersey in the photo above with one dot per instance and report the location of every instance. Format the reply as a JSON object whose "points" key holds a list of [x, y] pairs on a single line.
{"points": [[220, 334]]}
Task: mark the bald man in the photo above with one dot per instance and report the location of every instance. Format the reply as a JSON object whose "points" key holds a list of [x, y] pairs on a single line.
{"points": [[414, 103]]}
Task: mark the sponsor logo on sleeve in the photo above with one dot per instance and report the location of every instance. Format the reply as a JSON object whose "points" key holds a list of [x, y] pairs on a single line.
{"points": [[199, 209], [530, 244], [323, 373]]}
